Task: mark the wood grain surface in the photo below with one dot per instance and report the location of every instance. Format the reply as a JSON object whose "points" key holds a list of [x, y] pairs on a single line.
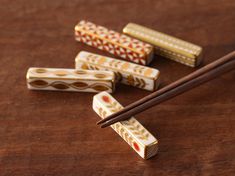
{"points": [[54, 133]]}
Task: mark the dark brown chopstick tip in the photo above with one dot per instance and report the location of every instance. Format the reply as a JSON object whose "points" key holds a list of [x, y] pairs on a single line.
{"points": [[102, 120], [106, 124], [98, 122], [103, 126]]}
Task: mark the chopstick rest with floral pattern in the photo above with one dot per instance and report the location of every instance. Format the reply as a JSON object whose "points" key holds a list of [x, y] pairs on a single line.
{"points": [[139, 138], [126, 72]]}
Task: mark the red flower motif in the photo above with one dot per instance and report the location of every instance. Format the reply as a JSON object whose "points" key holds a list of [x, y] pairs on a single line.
{"points": [[137, 148], [106, 99]]}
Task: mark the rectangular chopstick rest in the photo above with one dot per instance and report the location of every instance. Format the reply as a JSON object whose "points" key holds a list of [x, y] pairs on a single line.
{"points": [[166, 45], [128, 73], [70, 80], [114, 42], [140, 139]]}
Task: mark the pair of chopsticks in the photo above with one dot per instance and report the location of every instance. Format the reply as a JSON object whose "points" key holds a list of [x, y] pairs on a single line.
{"points": [[198, 77]]}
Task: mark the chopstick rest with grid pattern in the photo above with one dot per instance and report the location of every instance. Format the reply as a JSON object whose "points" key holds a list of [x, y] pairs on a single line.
{"points": [[140, 139], [166, 45], [113, 42], [59, 79], [127, 73]]}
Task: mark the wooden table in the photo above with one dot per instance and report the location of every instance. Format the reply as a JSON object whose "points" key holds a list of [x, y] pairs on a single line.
{"points": [[54, 133]]}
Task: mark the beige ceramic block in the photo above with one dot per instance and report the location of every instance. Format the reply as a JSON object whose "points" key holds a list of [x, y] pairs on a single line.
{"points": [[140, 139], [70, 80], [113, 42], [127, 73], [166, 45]]}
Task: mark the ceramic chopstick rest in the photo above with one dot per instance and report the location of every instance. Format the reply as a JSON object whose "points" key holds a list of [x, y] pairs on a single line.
{"points": [[113, 42], [70, 80], [126, 72], [140, 139], [166, 45]]}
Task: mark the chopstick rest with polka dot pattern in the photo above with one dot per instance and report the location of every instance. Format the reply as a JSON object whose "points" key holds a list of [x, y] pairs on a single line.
{"points": [[140, 139], [113, 42], [126, 72], [166, 45], [59, 79]]}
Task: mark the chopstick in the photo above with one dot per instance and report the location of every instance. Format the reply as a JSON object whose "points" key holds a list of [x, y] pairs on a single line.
{"points": [[203, 70], [174, 92], [131, 109]]}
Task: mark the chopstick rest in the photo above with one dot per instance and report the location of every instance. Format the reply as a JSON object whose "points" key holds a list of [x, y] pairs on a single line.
{"points": [[114, 42], [70, 80], [166, 45], [127, 73], [140, 139]]}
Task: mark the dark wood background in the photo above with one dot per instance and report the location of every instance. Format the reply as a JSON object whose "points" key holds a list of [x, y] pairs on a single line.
{"points": [[54, 133]]}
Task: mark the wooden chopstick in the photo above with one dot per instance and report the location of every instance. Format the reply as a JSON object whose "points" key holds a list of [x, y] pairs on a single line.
{"points": [[174, 92], [193, 75], [215, 71]]}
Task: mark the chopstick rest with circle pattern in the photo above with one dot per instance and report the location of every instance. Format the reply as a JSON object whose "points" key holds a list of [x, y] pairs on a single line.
{"points": [[113, 42], [128, 73], [59, 79], [166, 45], [140, 139]]}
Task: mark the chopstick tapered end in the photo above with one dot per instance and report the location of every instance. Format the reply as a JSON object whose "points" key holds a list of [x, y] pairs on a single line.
{"points": [[104, 120], [99, 122], [104, 125]]}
